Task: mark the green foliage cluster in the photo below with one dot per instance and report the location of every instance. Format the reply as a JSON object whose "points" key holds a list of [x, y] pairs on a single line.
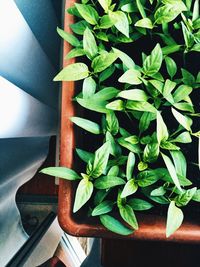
{"points": [[148, 112]]}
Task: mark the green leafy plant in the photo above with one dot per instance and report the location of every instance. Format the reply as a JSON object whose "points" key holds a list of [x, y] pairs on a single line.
{"points": [[147, 102]]}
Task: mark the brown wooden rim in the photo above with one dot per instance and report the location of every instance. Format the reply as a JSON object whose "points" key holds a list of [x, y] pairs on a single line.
{"points": [[151, 227]]}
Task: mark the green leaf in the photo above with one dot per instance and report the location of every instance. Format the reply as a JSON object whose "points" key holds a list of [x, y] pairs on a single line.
{"points": [[188, 78], [196, 24], [133, 139], [71, 39], [140, 106], [134, 94], [182, 92], [89, 87], [161, 129], [103, 208], [83, 194], [73, 72], [114, 225], [174, 219], [153, 62], [100, 160], [188, 36], [120, 21], [168, 88], [114, 171], [129, 8], [142, 166], [102, 36], [112, 123], [196, 47], [61, 172], [144, 23], [131, 76], [160, 191], [130, 165], [115, 105], [88, 13], [184, 107], [103, 61], [106, 93], [195, 13], [196, 196], [97, 106], [128, 216], [183, 120], [127, 61], [106, 182], [115, 150], [161, 199], [145, 121], [179, 162], [139, 204], [79, 27], [151, 152], [185, 197], [172, 171], [84, 155], [132, 148], [106, 73], [169, 146], [141, 8], [147, 177], [184, 138], [87, 125], [169, 12], [106, 22], [169, 49], [100, 196], [167, 38], [129, 188], [89, 44], [105, 4], [76, 52]]}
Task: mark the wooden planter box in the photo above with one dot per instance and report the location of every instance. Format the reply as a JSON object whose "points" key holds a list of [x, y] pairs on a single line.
{"points": [[151, 227]]}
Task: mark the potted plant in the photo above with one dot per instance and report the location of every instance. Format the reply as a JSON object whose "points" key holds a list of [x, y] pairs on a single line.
{"points": [[138, 133]]}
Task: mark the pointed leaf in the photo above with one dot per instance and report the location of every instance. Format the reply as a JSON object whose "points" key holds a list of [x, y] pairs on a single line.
{"points": [[103, 208], [144, 23], [129, 188], [134, 94], [161, 129], [114, 225], [183, 120], [172, 171], [88, 13], [130, 165], [120, 21], [89, 87], [87, 125], [106, 182], [73, 72], [131, 76], [71, 39], [153, 62], [174, 219], [100, 160], [61, 172], [83, 194], [103, 61], [89, 44], [128, 216]]}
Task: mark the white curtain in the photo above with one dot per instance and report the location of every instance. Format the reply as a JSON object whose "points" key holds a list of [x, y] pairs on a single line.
{"points": [[29, 54]]}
